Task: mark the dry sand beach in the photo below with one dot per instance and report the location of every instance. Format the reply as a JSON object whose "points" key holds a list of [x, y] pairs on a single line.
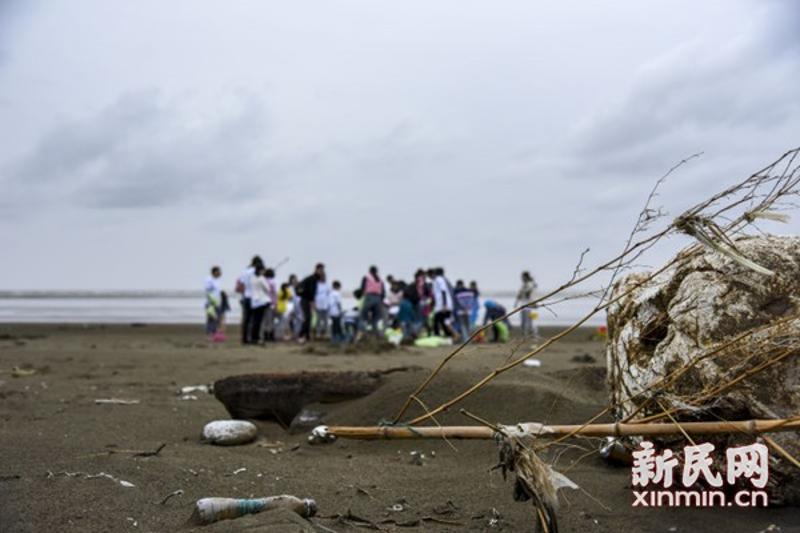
{"points": [[53, 435]]}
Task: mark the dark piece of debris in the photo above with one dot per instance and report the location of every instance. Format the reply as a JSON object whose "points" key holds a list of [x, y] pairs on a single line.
{"points": [[280, 397], [583, 358]]}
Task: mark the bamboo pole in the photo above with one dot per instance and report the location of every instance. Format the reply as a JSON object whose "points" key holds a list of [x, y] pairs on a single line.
{"points": [[544, 431]]}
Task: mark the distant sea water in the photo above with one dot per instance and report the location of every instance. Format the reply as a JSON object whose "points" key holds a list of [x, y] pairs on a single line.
{"points": [[186, 307]]}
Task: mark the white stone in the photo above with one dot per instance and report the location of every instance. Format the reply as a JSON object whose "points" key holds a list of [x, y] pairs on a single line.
{"points": [[229, 432]]}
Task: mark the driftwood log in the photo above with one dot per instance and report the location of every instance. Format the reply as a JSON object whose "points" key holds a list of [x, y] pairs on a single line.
{"points": [[280, 397]]}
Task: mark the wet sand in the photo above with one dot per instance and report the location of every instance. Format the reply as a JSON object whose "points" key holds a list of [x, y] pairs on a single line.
{"points": [[50, 426]]}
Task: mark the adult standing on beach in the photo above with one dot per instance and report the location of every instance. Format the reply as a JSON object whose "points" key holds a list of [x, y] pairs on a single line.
{"points": [[296, 311], [374, 292], [524, 296], [268, 325], [245, 290], [307, 290], [322, 302], [425, 295], [465, 298], [442, 304], [414, 293], [476, 306], [260, 302]]}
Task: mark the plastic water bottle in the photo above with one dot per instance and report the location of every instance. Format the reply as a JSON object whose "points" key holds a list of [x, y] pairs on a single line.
{"points": [[210, 510]]}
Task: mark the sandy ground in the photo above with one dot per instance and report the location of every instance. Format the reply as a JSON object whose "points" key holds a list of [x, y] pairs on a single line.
{"points": [[50, 426]]}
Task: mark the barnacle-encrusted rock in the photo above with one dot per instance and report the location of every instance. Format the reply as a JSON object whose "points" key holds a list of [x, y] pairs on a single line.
{"points": [[696, 309]]}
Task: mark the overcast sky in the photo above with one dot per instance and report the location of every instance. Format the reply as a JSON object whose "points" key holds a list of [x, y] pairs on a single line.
{"points": [[142, 142]]}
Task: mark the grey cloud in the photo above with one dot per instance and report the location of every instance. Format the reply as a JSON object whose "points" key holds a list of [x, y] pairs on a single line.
{"points": [[10, 13], [694, 99], [145, 151], [784, 17], [371, 135], [404, 155]]}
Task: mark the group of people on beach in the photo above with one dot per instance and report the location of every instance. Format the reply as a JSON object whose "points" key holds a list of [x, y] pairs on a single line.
{"points": [[313, 308]]}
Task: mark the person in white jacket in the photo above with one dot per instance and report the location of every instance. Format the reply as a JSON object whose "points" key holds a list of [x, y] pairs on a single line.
{"points": [[245, 292], [322, 303], [260, 301], [335, 310], [442, 305]]}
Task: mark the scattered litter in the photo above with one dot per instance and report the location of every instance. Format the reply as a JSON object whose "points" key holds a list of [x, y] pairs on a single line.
{"points": [[306, 420], [433, 342], [321, 435], [115, 401], [230, 432], [614, 451], [23, 372], [84, 475], [409, 522], [188, 397], [151, 453], [133, 521], [445, 509], [417, 458], [351, 519], [276, 445], [396, 508], [494, 521], [172, 494], [583, 358], [51, 474], [394, 336], [363, 491], [532, 363], [238, 471], [189, 389], [126, 484], [443, 521], [210, 510]]}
